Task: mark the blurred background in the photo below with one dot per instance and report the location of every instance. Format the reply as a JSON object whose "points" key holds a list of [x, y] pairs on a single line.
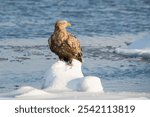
{"points": [[35, 18]]}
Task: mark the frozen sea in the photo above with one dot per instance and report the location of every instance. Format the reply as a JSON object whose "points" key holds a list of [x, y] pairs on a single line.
{"points": [[100, 25]]}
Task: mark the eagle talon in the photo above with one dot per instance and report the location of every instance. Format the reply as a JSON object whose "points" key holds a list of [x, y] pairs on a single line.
{"points": [[70, 63]]}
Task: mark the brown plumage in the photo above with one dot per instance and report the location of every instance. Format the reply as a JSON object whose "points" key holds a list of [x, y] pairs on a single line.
{"points": [[64, 44]]}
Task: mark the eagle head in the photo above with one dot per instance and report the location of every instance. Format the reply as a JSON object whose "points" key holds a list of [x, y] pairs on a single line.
{"points": [[62, 24]]}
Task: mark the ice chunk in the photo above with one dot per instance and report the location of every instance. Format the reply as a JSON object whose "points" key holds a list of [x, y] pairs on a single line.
{"points": [[62, 76]]}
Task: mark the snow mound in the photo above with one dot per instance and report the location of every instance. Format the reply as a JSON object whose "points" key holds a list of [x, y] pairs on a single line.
{"points": [[139, 48], [61, 76], [91, 84], [32, 93], [27, 92]]}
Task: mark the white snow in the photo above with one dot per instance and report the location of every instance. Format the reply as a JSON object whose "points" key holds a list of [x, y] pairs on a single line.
{"points": [[139, 48], [61, 76], [28, 92]]}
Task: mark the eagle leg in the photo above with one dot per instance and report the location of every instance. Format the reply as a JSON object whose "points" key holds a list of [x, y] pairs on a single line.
{"points": [[66, 59], [61, 58]]}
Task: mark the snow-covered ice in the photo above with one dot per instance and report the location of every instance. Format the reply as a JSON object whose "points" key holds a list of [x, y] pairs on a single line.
{"points": [[28, 92], [139, 48], [61, 76]]}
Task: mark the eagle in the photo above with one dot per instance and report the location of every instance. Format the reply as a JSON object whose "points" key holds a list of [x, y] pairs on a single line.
{"points": [[65, 45]]}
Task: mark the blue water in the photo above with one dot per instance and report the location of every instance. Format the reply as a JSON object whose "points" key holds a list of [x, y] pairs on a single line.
{"points": [[35, 18], [31, 19]]}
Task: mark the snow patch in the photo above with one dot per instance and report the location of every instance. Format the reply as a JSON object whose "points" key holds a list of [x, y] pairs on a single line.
{"points": [[139, 48], [61, 76], [91, 84]]}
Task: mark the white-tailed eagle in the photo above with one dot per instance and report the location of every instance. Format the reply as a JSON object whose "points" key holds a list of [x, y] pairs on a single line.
{"points": [[64, 44]]}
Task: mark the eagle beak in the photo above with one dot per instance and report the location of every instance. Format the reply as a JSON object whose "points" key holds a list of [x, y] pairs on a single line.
{"points": [[68, 24]]}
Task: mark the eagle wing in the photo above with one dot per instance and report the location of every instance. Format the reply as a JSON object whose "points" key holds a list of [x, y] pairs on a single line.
{"points": [[75, 48]]}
